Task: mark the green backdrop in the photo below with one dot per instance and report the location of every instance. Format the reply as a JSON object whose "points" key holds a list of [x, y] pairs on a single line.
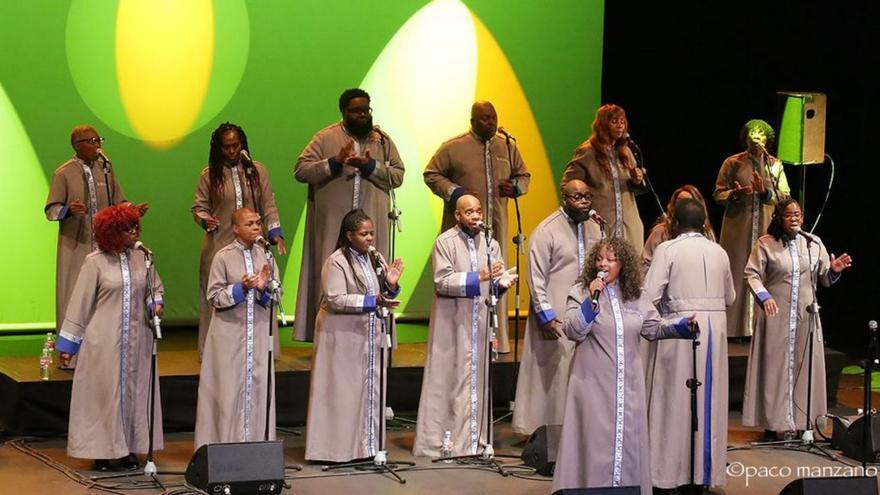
{"points": [[156, 77]]}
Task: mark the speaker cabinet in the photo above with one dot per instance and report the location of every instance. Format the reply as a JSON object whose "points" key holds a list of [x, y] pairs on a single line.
{"points": [[801, 136], [854, 485], [247, 468]]}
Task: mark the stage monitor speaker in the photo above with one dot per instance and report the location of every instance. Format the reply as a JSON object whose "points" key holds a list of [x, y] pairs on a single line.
{"points": [[849, 485], [617, 490], [801, 136], [247, 468], [540, 449], [854, 442]]}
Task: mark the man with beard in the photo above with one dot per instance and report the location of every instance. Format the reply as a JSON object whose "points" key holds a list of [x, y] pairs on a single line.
{"points": [[481, 162], [557, 249], [347, 165], [454, 392]]}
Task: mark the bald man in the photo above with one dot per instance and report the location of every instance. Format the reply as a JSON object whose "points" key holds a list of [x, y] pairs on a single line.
{"points": [[454, 382], [492, 168], [557, 249]]}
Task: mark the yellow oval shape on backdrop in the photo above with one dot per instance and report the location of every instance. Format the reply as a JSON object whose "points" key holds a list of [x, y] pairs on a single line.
{"points": [[164, 56]]}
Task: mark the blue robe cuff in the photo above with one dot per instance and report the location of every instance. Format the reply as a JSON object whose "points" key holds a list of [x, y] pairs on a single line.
{"points": [[264, 299], [768, 196], [453, 198], [683, 328], [517, 191], [63, 213], [545, 317], [335, 166], [66, 346], [472, 285], [238, 294], [762, 296], [834, 277], [368, 168], [150, 305], [587, 315], [276, 232], [393, 293], [369, 303]]}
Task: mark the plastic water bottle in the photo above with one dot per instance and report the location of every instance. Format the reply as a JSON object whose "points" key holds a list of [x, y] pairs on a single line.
{"points": [[45, 363], [50, 340], [446, 446]]}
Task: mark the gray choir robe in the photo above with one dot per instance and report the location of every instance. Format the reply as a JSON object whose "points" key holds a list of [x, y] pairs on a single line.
{"points": [[232, 380], [558, 249], [236, 194], [660, 234], [745, 219], [334, 190], [460, 166], [71, 182], [689, 275], [775, 395], [344, 399], [614, 197], [453, 386], [604, 439], [106, 326]]}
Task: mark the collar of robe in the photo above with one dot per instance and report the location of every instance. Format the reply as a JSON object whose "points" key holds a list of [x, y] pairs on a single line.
{"points": [[690, 234], [354, 252], [240, 245], [466, 234]]}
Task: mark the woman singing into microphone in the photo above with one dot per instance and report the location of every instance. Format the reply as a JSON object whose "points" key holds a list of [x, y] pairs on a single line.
{"points": [[604, 440], [344, 417]]}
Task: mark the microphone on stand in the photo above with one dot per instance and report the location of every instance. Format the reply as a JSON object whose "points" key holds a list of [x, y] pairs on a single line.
{"points": [[594, 298], [147, 251], [482, 226], [248, 161], [597, 218], [262, 242], [102, 156], [506, 133], [808, 237], [378, 259]]}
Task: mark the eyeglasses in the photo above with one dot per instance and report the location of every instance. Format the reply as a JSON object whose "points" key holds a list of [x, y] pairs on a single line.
{"points": [[133, 230], [360, 110], [579, 197], [94, 140]]}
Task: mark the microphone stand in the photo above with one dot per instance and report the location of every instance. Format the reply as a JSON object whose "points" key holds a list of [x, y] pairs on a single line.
{"points": [[394, 223], [490, 354], [871, 362], [519, 242], [107, 181], [274, 286], [693, 384], [249, 166], [380, 463], [640, 162]]}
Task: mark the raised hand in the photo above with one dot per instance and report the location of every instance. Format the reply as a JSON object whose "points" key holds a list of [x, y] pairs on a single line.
{"points": [[758, 183], [393, 272], [739, 190], [345, 152], [840, 264]]}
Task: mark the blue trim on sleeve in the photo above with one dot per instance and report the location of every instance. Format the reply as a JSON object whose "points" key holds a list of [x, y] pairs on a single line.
{"points": [[768, 195], [762, 296], [683, 328], [335, 166], [204, 224], [369, 304], [66, 346], [545, 317], [587, 311], [150, 305], [472, 285], [393, 293], [368, 168], [517, 191], [238, 293], [63, 213], [453, 198], [265, 297], [276, 232]]}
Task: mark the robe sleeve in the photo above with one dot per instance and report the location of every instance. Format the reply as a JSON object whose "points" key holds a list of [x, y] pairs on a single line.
{"points": [[654, 240], [312, 168], [636, 189], [579, 315], [388, 173], [158, 290], [824, 274], [447, 281], [539, 265], [778, 172], [754, 272], [80, 308], [436, 176], [336, 291], [657, 278], [729, 288], [56, 203], [576, 168], [223, 293], [519, 174], [267, 203], [201, 208], [116, 189], [724, 183], [656, 328]]}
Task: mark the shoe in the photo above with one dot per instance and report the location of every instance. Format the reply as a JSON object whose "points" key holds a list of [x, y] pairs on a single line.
{"points": [[129, 462], [101, 465], [770, 436]]}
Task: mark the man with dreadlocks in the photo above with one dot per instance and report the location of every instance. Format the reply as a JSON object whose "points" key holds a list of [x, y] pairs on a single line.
{"points": [[748, 186], [347, 165], [230, 181]]}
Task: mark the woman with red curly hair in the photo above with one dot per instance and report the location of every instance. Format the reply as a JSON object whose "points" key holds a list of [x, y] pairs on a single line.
{"points": [[106, 325], [607, 165]]}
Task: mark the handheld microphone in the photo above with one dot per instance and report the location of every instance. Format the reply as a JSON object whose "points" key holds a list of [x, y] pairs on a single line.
{"points": [[140, 245], [376, 255], [102, 156], [506, 134], [594, 298], [597, 218]]}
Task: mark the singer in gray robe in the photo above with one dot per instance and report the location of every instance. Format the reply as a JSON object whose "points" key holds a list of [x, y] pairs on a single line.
{"points": [[235, 362], [244, 184], [689, 275], [604, 439], [106, 326], [82, 180], [558, 248], [454, 383], [775, 396], [489, 166]]}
